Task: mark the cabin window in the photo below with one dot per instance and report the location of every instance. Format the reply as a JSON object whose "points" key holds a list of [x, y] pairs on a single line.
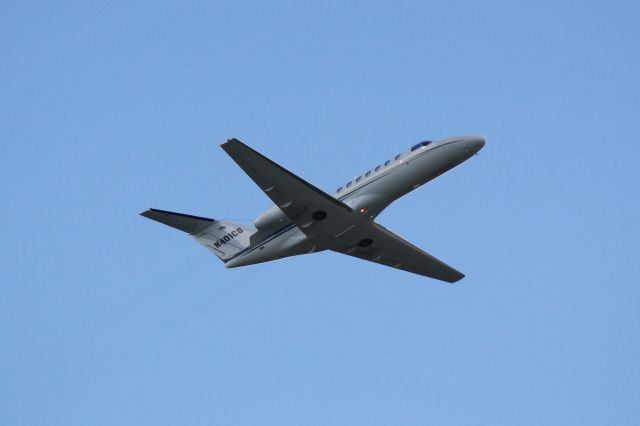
{"points": [[398, 156], [367, 174], [339, 189], [420, 145], [386, 163], [377, 168], [349, 184], [359, 178]]}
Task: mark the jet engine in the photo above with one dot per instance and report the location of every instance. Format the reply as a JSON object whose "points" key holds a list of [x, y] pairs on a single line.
{"points": [[271, 218]]}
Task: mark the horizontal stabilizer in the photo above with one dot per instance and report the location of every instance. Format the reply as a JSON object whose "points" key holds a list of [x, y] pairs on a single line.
{"points": [[184, 222]]}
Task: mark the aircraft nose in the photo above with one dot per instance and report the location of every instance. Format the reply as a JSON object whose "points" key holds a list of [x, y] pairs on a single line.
{"points": [[475, 143]]}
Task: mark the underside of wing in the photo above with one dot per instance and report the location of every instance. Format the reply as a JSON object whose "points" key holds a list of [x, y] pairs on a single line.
{"points": [[386, 248], [311, 209]]}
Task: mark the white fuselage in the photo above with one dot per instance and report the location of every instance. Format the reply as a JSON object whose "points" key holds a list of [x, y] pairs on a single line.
{"points": [[367, 195]]}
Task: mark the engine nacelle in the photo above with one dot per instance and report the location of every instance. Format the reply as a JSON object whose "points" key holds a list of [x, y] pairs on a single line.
{"points": [[271, 218]]}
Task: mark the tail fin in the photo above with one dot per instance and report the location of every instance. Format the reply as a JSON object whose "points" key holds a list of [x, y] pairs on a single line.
{"points": [[225, 239]]}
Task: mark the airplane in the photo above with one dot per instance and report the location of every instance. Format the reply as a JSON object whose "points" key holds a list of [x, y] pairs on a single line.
{"points": [[305, 219]]}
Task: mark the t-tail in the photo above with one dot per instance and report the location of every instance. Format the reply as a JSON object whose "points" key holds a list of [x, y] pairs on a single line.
{"points": [[225, 239]]}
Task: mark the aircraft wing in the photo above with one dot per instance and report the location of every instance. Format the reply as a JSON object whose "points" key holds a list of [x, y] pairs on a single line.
{"points": [[388, 249], [308, 207]]}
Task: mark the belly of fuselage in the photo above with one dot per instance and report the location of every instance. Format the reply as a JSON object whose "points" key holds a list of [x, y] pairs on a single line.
{"points": [[286, 242]]}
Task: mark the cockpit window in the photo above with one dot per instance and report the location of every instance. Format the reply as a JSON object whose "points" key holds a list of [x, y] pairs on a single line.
{"points": [[420, 145]]}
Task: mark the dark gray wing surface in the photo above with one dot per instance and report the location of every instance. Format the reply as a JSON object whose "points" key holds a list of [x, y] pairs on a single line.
{"points": [[310, 208], [386, 248], [184, 222]]}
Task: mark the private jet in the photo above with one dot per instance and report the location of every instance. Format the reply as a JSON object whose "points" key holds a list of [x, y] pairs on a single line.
{"points": [[305, 219]]}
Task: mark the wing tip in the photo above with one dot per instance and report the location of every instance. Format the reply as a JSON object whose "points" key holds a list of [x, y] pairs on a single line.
{"points": [[231, 141], [147, 213], [456, 278]]}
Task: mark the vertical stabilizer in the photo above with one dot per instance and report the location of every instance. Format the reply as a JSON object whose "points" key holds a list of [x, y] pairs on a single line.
{"points": [[225, 239]]}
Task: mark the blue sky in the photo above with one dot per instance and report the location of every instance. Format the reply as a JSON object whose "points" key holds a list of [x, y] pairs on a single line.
{"points": [[107, 109]]}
